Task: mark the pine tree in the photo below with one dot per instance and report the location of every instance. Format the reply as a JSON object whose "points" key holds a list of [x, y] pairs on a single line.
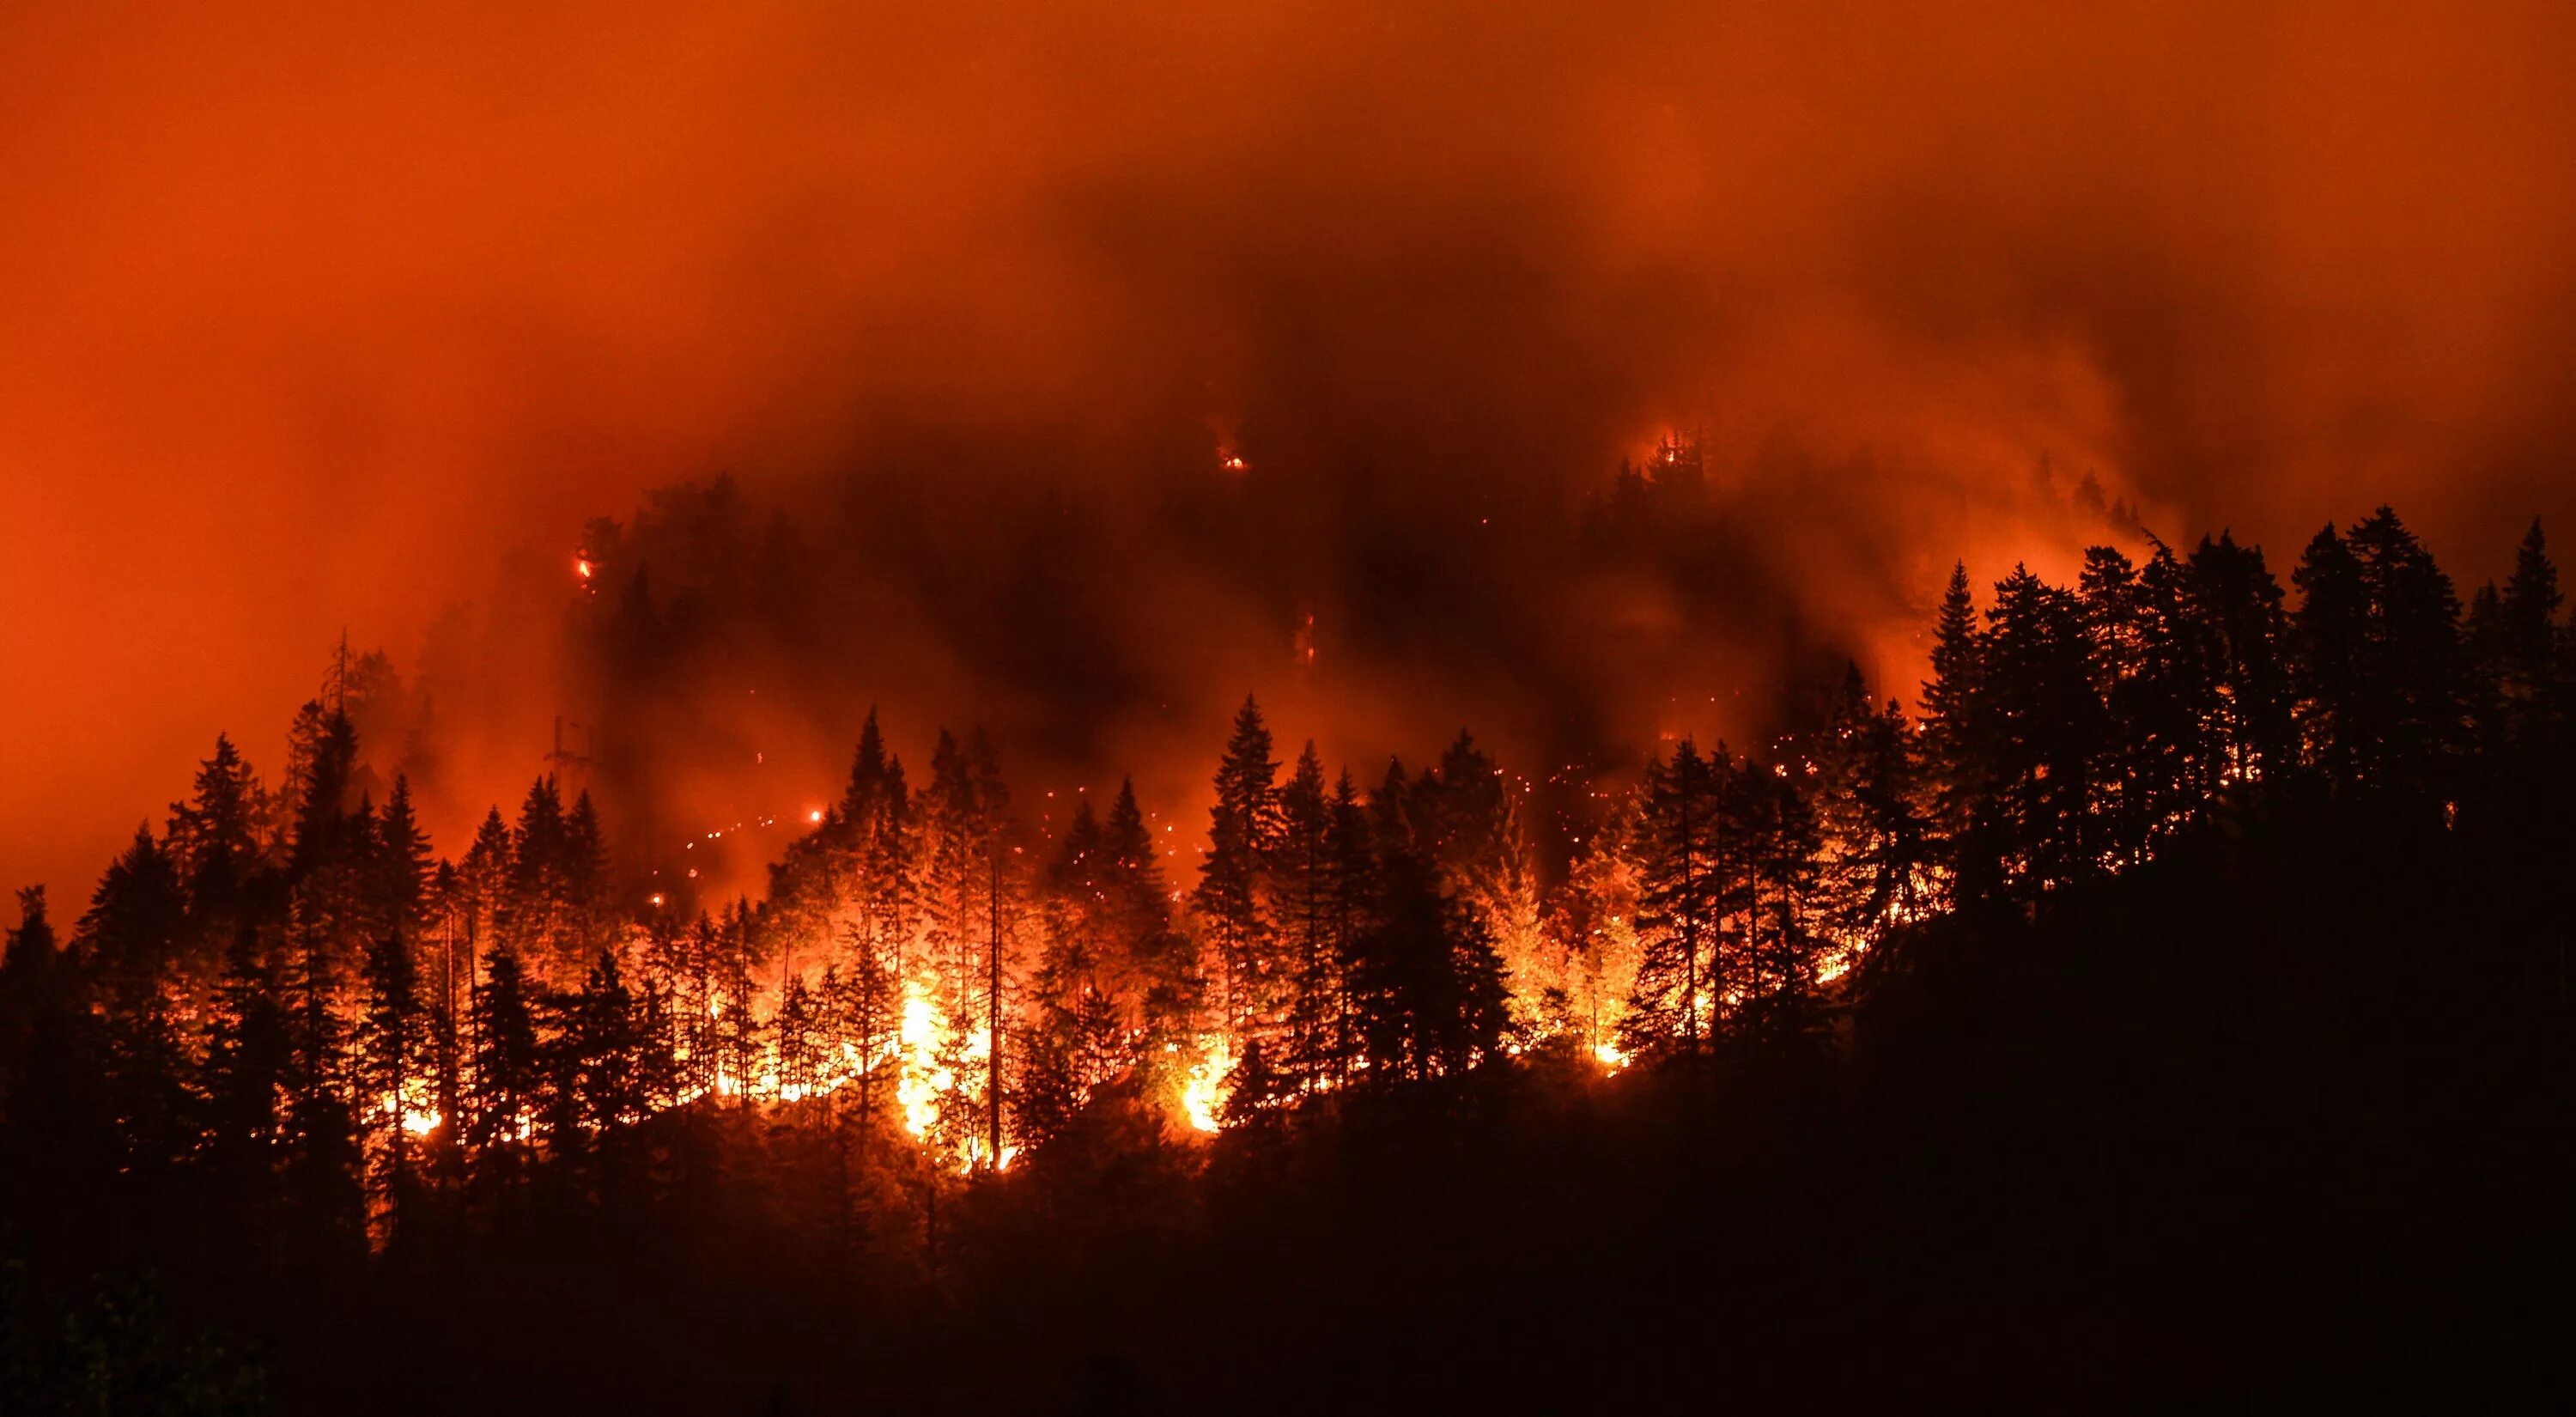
{"points": [[1301, 866], [2030, 835], [321, 789], [129, 945], [1351, 844], [1231, 894], [1001, 928], [954, 890], [1957, 770], [877, 813], [864, 996], [798, 1027], [2239, 606], [393, 1071], [1428, 987], [1876, 841], [508, 1068], [483, 885], [1592, 929], [1779, 842], [1154, 965], [215, 838], [402, 867], [2331, 640], [1076, 1039], [2416, 674], [2528, 637], [1473, 823], [248, 1068], [58, 1150], [590, 915], [539, 906], [1682, 870], [607, 1047]]}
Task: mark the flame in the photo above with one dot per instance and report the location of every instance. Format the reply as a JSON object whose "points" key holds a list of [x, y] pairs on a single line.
{"points": [[411, 1109], [921, 1080], [1204, 1090]]}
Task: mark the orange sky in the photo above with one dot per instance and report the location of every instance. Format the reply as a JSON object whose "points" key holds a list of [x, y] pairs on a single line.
{"points": [[311, 314]]}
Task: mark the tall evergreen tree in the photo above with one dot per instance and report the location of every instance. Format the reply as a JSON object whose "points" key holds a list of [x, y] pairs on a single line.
{"points": [[1682, 871], [2331, 652], [2239, 605], [215, 837], [1153, 965], [1956, 761], [128, 944], [394, 1074], [1231, 897]]}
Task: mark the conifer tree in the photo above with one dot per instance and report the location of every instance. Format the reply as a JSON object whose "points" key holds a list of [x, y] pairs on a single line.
{"points": [[1231, 895], [607, 1045], [2416, 680], [1076, 1039], [864, 996], [2331, 639], [2527, 621], [1592, 932], [798, 1031], [590, 914], [1428, 987], [1301, 867], [1153, 964], [539, 902], [508, 1068], [402, 867], [393, 1071], [1475, 835], [1779, 842], [2239, 605], [215, 838], [1876, 840], [483, 885], [248, 1067], [2030, 834], [1682, 870], [1351, 843], [1955, 759]]}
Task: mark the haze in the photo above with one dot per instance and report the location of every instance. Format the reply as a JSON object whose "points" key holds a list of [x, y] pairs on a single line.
{"points": [[317, 318]]}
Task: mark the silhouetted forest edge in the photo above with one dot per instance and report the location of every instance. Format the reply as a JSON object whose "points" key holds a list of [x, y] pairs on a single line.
{"points": [[2171, 1004]]}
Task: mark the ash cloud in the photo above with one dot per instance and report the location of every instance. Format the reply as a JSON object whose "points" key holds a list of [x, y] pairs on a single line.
{"points": [[322, 320]]}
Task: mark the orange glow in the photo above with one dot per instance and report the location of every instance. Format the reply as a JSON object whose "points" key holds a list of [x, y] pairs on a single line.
{"points": [[363, 312]]}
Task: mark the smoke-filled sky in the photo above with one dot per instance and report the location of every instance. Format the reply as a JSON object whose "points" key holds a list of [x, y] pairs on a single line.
{"points": [[323, 316]]}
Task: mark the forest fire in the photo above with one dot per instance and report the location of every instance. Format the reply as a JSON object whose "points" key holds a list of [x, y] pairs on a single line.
{"points": [[1306, 708]]}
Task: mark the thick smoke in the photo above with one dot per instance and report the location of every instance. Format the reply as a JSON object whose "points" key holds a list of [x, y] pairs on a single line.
{"points": [[315, 318]]}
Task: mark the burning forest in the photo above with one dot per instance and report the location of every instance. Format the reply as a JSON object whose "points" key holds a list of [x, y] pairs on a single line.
{"points": [[352, 1053], [1313, 707]]}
